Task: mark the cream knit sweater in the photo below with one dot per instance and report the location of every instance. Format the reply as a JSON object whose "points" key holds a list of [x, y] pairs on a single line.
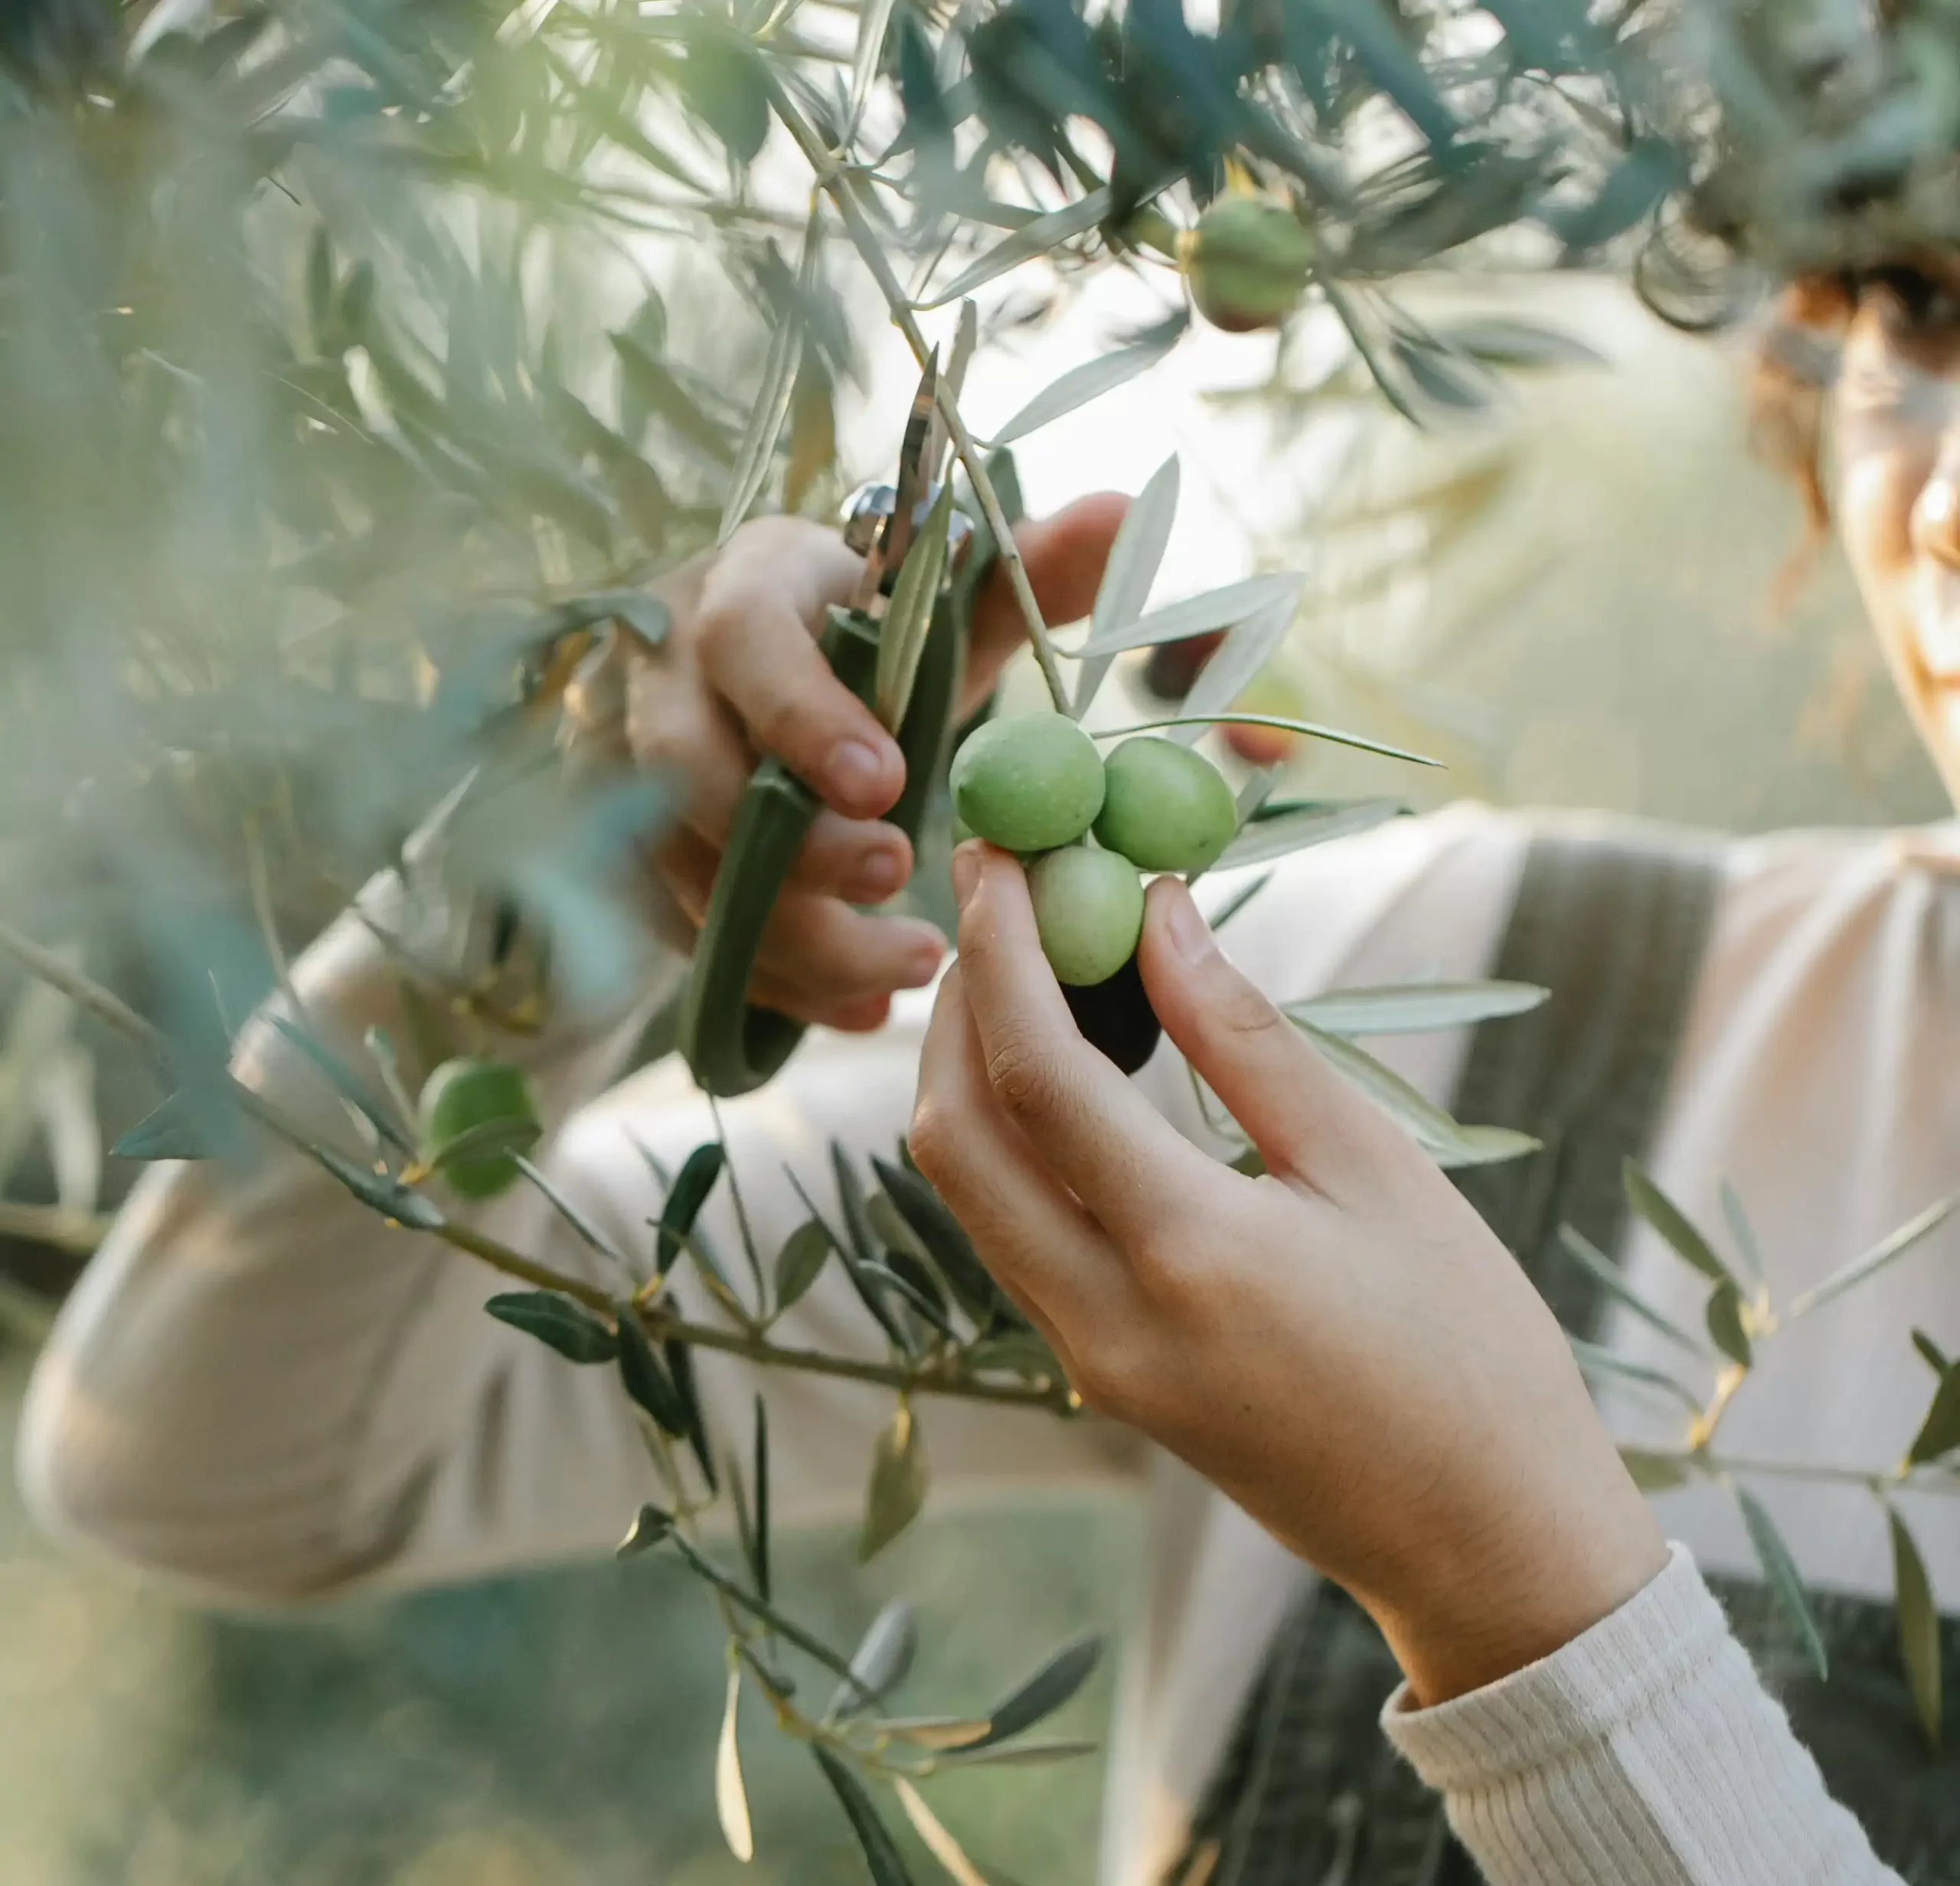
{"points": [[261, 1391]]}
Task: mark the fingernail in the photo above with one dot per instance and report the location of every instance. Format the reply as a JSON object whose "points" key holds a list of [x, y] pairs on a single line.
{"points": [[1191, 935], [966, 873], [922, 964], [854, 771], [878, 874]]}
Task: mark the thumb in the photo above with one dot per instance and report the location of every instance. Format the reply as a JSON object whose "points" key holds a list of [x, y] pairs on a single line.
{"points": [[1302, 1117], [1063, 556]]}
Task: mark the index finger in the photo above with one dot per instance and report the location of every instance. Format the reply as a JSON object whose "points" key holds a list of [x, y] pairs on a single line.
{"points": [[761, 609], [1095, 1130]]}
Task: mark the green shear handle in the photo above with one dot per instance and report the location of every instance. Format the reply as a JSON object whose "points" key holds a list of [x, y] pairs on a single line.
{"points": [[732, 1046]]}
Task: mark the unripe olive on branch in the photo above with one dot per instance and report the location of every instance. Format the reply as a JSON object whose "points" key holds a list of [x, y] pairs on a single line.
{"points": [[1089, 909], [1028, 784], [1247, 261], [475, 1116], [1164, 807]]}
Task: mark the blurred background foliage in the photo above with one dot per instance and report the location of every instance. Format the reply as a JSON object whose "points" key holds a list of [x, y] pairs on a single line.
{"points": [[348, 348]]}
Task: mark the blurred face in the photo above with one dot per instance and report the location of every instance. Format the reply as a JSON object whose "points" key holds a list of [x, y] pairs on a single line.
{"points": [[1895, 437]]}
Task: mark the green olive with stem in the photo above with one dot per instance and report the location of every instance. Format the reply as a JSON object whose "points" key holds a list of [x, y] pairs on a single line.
{"points": [[1088, 909], [1029, 783], [475, 1116], [1166, 807]]}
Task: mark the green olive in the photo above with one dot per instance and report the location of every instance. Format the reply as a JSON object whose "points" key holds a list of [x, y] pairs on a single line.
{"points": [[1164, 807], [475, 1116], [1089, 908], [1029, 783]]}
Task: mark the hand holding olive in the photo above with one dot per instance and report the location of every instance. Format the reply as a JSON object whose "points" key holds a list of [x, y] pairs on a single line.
{"points": [[1341, 1345]]}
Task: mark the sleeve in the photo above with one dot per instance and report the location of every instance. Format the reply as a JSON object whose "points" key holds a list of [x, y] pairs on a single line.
{"points": [[263, 1391], [1644, 1752]]}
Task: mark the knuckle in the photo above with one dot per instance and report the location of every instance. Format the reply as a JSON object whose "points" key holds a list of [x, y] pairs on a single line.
{"points": [[1025, 1074], [1118, 1376], [1244, 1012], [933, 1137]]}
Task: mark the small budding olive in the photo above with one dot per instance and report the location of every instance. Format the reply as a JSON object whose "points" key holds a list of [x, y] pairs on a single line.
{"points": [[1089, 909], [1248, 261], [1164, 807], [490, 1103], [1028, 784]]}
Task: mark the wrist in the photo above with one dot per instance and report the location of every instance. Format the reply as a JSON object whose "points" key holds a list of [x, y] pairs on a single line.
{"points": [[1477, 1616]]}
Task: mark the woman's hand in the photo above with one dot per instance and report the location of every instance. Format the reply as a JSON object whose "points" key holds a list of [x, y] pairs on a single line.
{"points": [[1342, 1346], [740, 676]]}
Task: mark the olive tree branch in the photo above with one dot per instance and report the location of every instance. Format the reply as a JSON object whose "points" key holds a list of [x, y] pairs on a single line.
{"points": [[836, 180]]}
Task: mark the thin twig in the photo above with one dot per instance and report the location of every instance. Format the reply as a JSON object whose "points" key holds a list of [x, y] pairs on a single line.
{"points": [[835, 180]]}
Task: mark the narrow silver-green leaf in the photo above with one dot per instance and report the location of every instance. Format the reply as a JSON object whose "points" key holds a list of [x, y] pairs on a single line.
{"points": [[800, 1262], [1743, 1231], [1939, 1433], [765, 427], [1606, 1275], [1593, 1360], [587, 1231], [1237, 661], [731, 1798], [881, 1854], [1886, 1251], [1451, 1144], [897, 1490], [385, 1193], [909, 620], [1221, 608], [651, 1527], [1038, 1696], [1930, 1353], [1416, 1008], [1654, 1472], [1726, 1330], [935, 1732], [1079, 385], [882, 1660], [1134, 558], [1034, 238], [174, 1130], [1313, 729], [1499, 342], [1918, 1625], [1019, 1754], [1238, 900], [558, 1323], [1293, 830], [873, 24], [1668, 1218], [1785, 1584], [932, 1834]]}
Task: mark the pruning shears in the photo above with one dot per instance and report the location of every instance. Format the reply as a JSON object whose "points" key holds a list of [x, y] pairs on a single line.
{"points": [[732, 1046]]}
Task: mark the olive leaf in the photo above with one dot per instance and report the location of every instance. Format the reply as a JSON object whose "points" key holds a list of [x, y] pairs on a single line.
{"points": [[1081, 384], [1886, 1251], [897, 1490], [947, 1245], [1312, 729], [772, 408], [1500, 341], [387, 1195], [1594, 1359], [881, 1853], [1654, 1472], [1416, 1008], [1053, 1683], [1134, 558], [1222, 608], [1238, 900], [731, 1798], [858, 1249], [1726, 1327], [651, 1526], [1919, 1625], [349, 1085], [873, 24], [911, 1284], [932, 1834], [800, 1262], [935, 1732], [1018, 1754], [1742, 1230], [1608, 1277], [1449, 1143], [909, 620], [645, 1376], [177, 1129], [1939, 1433], [1780, 1569], [1935, 1358], [758, 1554], [1285, 830], [588, 1232], [1236, 662], [681, 1372], [699, 1171], [881, 1661], [1034, 237], [556, 1322], [1668, 1218]]}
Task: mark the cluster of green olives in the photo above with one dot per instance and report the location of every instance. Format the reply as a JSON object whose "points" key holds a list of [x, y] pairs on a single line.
{"points": [[1036, 785]]}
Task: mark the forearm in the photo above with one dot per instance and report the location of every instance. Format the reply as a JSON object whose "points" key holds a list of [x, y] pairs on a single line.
{"points": [[1644, 1752]]}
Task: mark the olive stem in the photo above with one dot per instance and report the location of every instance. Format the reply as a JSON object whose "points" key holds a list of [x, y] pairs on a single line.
{"points": [[834, 179]]}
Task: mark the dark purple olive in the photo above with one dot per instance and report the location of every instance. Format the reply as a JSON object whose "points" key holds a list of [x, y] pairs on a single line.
{"points": [[1116, 1016], [1172, 666]]}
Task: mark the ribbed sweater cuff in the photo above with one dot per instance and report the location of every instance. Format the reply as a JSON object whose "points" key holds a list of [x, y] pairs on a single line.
{"points": [[1657, 1642]]}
